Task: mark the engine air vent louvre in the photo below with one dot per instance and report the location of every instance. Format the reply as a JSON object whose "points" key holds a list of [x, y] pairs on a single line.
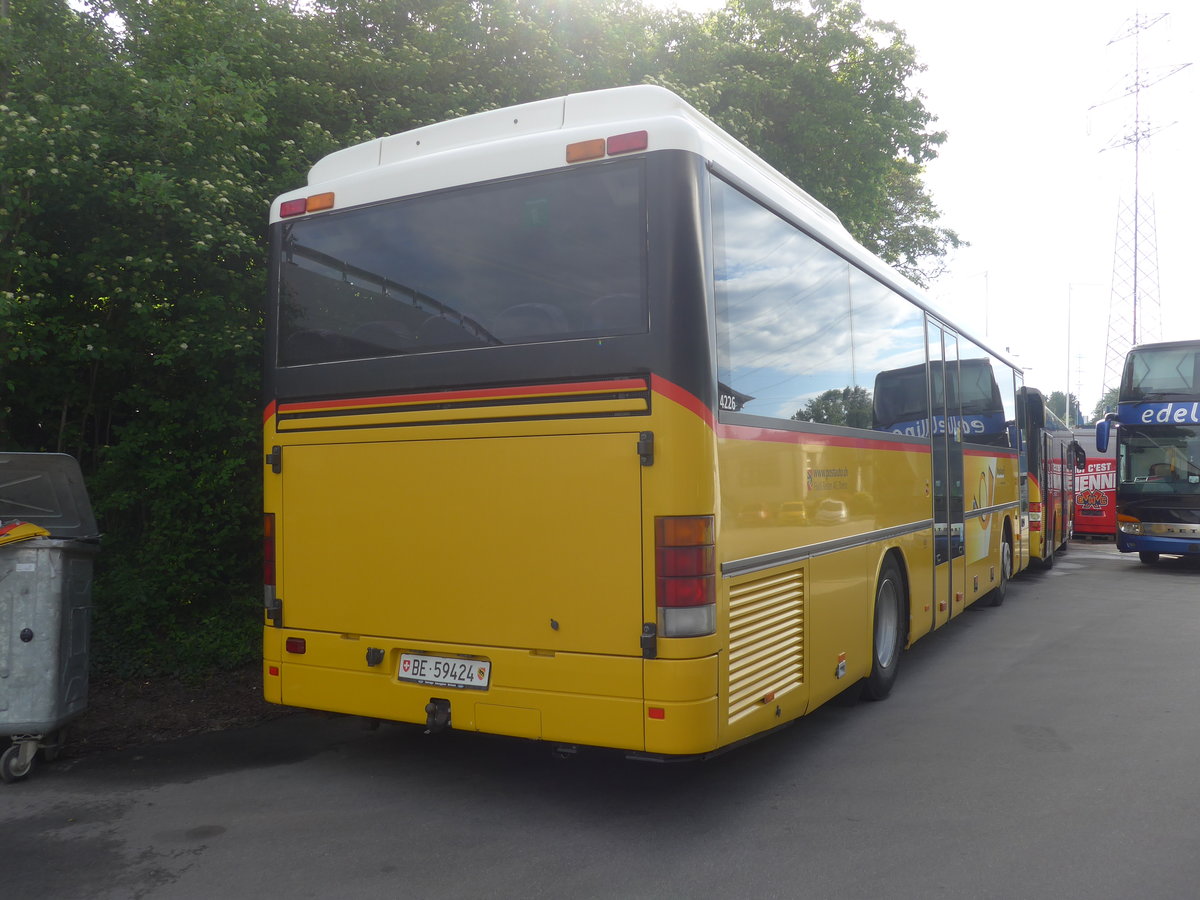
{"points": [[766, 640]]}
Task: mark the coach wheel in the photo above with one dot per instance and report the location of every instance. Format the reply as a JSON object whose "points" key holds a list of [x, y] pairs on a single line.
{"points": [[888, 633], [1148, 557], [1000, 591]]}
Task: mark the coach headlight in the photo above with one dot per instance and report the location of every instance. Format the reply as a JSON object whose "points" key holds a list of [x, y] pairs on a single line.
{"points": [[1129, 525]]}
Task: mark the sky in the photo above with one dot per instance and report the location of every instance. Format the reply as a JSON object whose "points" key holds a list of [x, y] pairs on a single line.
{"points": [[1033, 97]]}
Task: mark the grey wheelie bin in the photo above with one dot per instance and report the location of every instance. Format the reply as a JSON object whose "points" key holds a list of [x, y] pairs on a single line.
{"points": [[48, 542]]}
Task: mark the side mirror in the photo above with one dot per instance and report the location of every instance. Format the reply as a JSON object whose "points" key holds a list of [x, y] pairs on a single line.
{"points": [[1078, 457], [1103, 429]]}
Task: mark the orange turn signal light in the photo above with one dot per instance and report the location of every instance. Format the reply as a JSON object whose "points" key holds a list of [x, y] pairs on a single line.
{"points": [[584, 150], [318, 202]]}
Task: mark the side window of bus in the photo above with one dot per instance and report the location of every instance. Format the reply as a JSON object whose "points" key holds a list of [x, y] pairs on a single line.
{"points": [[889, 356], [783, 318], [1008, 400], [984, 414]]}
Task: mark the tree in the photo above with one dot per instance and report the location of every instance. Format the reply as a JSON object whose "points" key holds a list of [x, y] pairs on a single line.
{"points": [[1057, 403], [136, 163], [1105, 405], [134, 170], [847, 406], [825, 97]]}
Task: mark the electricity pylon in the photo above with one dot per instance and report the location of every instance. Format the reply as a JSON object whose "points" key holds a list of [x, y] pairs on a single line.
{"points": [[1134, 310]]}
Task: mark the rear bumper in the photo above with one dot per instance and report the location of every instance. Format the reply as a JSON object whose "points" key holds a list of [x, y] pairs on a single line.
{"points": [[653, 706]]}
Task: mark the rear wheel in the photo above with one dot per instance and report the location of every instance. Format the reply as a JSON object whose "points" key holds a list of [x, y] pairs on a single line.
{"points": [[1148, 557], [889, 632], [1000, 591]]}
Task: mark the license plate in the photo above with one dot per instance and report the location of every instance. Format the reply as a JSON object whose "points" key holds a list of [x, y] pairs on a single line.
{"points": [[445, 671]]}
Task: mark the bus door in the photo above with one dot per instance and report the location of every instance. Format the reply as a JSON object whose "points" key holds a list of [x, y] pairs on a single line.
{"points": [[948, 526], [1054, 493], [1022, 554]]}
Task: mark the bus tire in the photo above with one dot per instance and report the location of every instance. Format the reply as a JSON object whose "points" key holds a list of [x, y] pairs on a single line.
{"points": [[997, 594], [887, 641], [1148, 557]]}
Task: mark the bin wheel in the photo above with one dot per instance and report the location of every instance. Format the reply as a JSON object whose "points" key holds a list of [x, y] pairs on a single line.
{"points": [[11, 767]]}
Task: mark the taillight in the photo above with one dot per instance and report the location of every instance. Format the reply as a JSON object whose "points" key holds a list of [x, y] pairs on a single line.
{"points": [[685, 575], [1035, 517], [269, 549]]}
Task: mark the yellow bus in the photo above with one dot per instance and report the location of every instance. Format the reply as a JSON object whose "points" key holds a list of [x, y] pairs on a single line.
{"points": [[1052, 456], [585, 425]]}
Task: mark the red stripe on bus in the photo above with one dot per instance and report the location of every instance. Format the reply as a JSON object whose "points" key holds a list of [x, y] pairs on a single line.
{"points": [[686, 399], [269, 412], [995, 451], [748, 433], [627, 384]]}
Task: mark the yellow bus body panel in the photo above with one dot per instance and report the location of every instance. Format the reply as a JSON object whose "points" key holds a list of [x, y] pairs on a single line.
{"points": [[483, 540], [445, 540], [800, 633], [991, 482]]}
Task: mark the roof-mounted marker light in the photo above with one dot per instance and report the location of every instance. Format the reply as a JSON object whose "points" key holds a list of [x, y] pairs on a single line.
{"points": [[628, 143], [301, 205], [296, 207], [584, 150], [318, 202]]}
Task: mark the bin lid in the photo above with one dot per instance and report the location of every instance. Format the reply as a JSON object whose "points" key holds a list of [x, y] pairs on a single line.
{"points": [[48, 490]]}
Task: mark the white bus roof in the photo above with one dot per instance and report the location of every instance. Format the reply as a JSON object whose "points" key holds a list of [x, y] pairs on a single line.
{"points": [[532, 137]]}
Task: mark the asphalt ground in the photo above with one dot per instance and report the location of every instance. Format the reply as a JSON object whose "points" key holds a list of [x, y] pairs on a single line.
{"points": [[1047, 748]]}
